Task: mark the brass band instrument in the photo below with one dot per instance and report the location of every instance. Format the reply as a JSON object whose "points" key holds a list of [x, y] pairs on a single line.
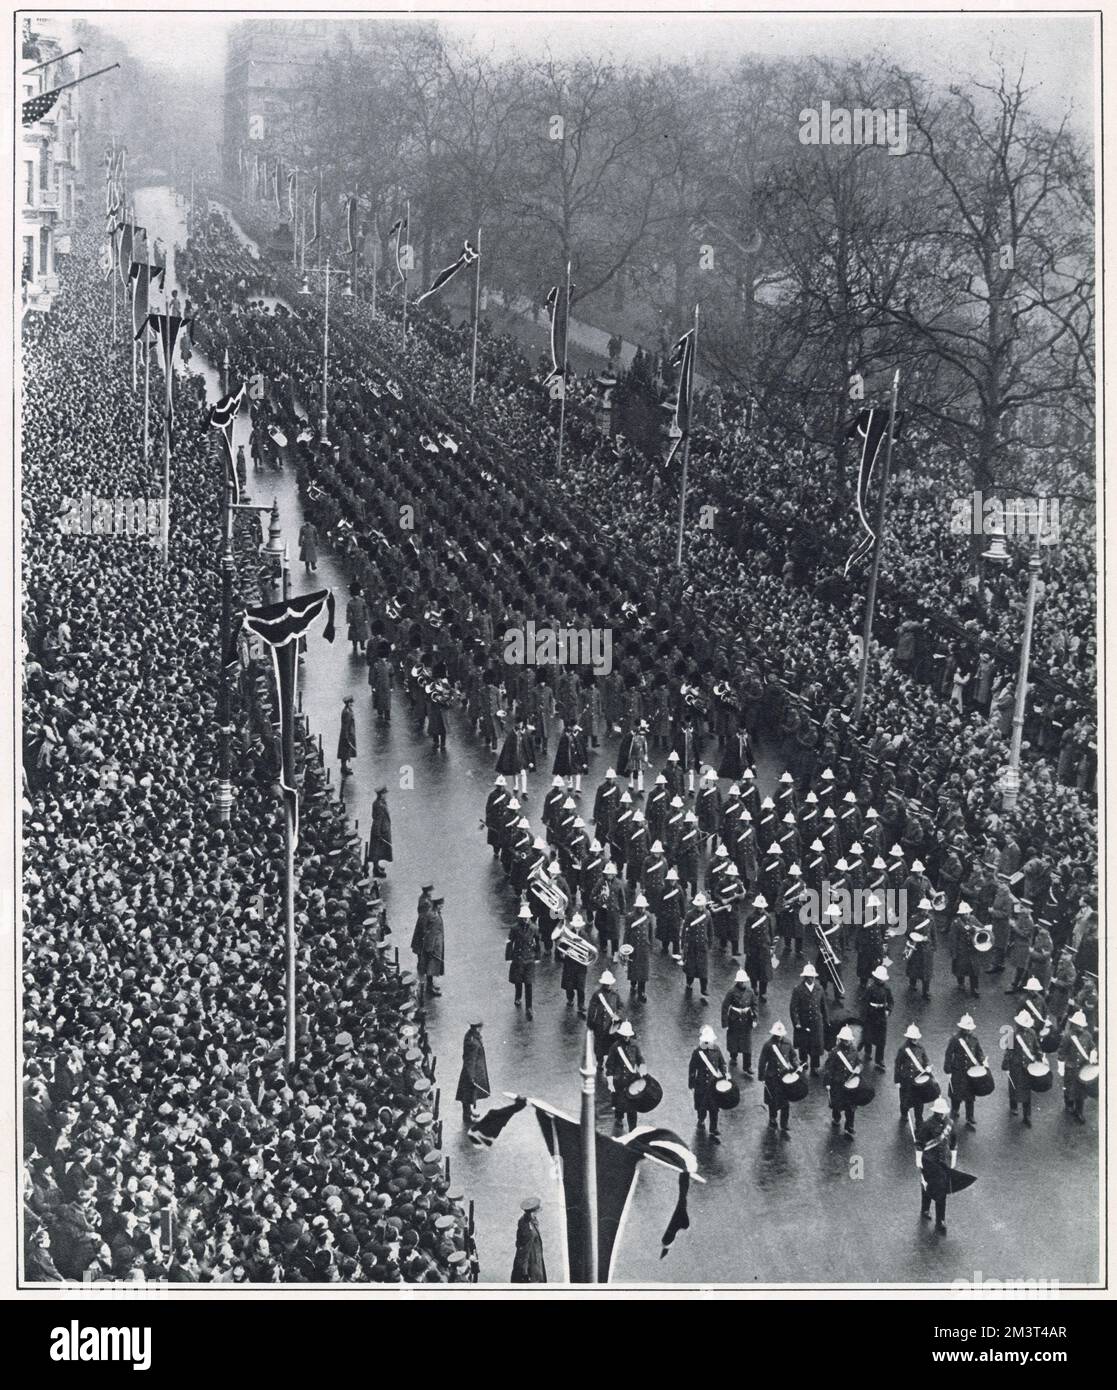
{"points": [[694, 699], [550, 895], [981, 938], [829, 958], [573, 945], [723, 691]]}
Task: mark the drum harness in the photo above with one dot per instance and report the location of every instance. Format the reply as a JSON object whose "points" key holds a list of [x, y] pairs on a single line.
{"points": [[710, 1067]]}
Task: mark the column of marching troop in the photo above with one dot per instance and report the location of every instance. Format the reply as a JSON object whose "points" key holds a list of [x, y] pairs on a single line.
{"points": [[709, 875]]}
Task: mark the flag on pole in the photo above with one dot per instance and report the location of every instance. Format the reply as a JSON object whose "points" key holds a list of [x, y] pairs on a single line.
{"points": [[870, 429], [315, 215], [167, 327], [35, 108], [129, 235], [141, 275], [292, 195], [279, 626], [351, 224], [617, 1162], [223, 417], [467, 257], [558, 301], [401, 230], [682, 356]]}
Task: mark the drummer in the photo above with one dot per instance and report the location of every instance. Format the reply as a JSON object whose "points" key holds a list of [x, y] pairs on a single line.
{"points": [[707, 1068], [911, 1062], [964, 1053], [777, 1060], [1021, 1053], [623, 1065], [1077, 1050], [935, 1142], [842, 1065]]}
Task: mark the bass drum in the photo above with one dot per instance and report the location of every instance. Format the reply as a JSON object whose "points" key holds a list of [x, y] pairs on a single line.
{"points": [[727, 1094], [925, 1088], [1039, 1076], [644, 1094], [794, 1085], [981, 1081]]}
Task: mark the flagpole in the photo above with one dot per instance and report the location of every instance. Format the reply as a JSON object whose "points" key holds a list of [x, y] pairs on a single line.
{"points": [[225, 780], [375, 258], [686, 441], [878, 545], [289, 912], [114, 275], [323, 423], [406, 227], [295, 223], [565, 340], [476, 315], [318, 222], [190, 214], [168, 374], [147, 392], [588, 1274]]}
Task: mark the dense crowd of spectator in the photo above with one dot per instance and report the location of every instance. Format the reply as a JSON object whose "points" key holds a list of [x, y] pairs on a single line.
{"points": [[164, 1137]]}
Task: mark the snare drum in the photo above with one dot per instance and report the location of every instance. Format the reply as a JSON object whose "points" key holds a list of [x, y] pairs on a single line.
{"points": [[858, 1091], [1088, 1077], [794, 1085], [644, 1094], [727, 1094], [981, 1081], [925, 1088], [1039, 1076]]}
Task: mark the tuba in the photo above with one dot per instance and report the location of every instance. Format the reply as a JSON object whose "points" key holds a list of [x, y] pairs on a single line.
{"points": [[550, 895], [982, 939], [573, 945]]}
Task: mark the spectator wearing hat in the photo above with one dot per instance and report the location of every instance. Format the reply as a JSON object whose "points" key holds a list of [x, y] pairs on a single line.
{"points": [[528, 1266]]}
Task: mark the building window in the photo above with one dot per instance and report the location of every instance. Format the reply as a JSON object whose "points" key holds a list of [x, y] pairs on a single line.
{"points": [[45, 266], [29, 187]]}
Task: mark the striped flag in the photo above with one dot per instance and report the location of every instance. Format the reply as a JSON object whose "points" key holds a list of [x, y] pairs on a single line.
{"points": [[35, 108], [223, 417], [682, 356], [279, 626], [467, 257]]}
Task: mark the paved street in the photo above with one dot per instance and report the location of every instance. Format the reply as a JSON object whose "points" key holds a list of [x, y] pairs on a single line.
{"points": [[814, 1207]]}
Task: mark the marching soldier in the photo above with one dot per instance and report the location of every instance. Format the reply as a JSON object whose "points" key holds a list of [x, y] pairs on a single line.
{"points": [[841, 1065], [523, 951], [776, 1061], [963, 955], [920, 950], [935, 1143], [637, 949], [697, 937], [875, 1008], [606, 806], [687, 854], [669, 913], [963, 1051], [707, 1068], [758, 946], [655, 873], [789, 915], [1021, 1052], [573, 981], [603, 1015], [738, 1018], [870, 941], [708, 805], [624, 1063], [610, 915], [1077, 1050], [911, 1061], [808, 1017]]}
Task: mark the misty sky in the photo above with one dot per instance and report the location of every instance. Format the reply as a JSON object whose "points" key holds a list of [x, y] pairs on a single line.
{"points": [[1057, 50]]}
